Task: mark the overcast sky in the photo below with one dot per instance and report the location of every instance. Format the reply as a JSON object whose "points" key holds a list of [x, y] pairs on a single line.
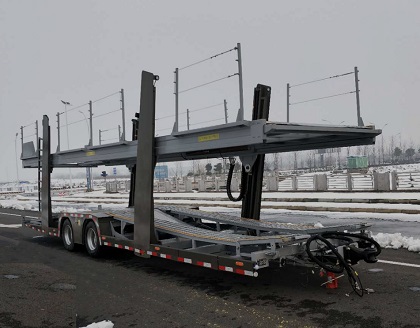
{"points": [[84, 50]]}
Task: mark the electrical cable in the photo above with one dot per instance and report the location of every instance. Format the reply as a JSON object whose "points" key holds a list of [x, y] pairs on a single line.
{"points": [[315, 99], [243, 184], [368, 254], [204, 84], [325, 78], [209, 58]]}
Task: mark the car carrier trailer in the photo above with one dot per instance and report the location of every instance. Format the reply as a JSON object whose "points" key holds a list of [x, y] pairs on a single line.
{"points": [[242, 245]]}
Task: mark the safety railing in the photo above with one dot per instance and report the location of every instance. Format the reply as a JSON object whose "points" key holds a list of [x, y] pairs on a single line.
{"points": [[178, 92], [86, 115], [356, 92]]}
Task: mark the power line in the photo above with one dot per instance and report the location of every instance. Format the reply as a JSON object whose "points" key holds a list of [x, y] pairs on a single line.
{"points": [[112, 94], [314, 99], [112, 111], [73, 108], [198, 109], [25, 126], [82, 120], [204, 84], [93, 101], [326, 78], [209, 58], [191, 111]]}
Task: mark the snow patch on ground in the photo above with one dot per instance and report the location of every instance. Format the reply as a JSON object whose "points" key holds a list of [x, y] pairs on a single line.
{"points": [[102, 324], [396, 241]]}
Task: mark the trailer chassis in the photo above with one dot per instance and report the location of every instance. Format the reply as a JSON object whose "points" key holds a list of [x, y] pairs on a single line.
{"points": [[239, 245]]}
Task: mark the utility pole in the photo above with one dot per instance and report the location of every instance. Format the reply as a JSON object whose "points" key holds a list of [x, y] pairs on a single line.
{"points": [[188, 119]]}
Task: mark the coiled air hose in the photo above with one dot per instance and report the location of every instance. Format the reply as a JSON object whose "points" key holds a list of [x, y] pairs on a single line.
{"points": [[243, 183], [369, 255]]}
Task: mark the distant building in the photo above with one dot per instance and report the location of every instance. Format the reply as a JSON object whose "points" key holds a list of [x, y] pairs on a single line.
{"points": [[357, 164]]}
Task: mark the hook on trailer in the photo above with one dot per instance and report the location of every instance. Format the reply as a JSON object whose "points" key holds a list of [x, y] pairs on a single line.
{"points": [[328, 257]]}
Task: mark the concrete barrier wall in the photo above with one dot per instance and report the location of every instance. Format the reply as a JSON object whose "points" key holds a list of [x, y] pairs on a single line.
{"points": [[386, 181]]}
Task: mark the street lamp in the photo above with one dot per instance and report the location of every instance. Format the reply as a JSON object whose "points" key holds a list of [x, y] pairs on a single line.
{"points": [[17, 166], [66, 103]]}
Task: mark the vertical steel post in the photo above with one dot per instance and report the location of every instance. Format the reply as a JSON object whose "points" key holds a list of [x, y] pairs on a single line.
{"points": [[58, 131], [119, 132], [241, 87], [90, 123], [21, 138], [100, 137], [356, 80], [16, 158], [38, 142], [251, 202], [226, 111], [46, 213], [36, 131], [176, 127], [122, 136], [288, 103], [188, 119], [144, 227]]}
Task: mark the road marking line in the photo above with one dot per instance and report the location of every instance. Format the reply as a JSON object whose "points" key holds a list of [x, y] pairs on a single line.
{"points": [[10, 226], [400, 263], [20, 215], [10, 214]]}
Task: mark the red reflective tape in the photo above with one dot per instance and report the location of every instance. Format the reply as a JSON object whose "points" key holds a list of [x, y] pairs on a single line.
{"points": [[154, 253], [199, 263], [221, 267], [180, 259], [240, 271]]}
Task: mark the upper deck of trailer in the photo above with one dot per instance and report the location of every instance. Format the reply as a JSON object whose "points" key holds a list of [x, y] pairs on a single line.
{"points": [[245, 138]]}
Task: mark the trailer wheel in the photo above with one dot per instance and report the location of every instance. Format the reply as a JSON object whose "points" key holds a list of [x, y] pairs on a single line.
{"points": [[67, 236], [91, 239]]}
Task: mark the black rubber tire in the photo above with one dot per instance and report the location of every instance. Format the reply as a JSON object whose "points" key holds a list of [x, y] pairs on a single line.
{"points": [[67, 235], [92, 239]]}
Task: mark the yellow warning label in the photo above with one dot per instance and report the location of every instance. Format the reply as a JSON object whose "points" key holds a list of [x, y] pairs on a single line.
{"points": [[90, 153], [208, 137]]}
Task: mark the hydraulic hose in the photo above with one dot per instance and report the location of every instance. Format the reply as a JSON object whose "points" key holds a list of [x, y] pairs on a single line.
{"points": [[353, 277], [243, 184]]}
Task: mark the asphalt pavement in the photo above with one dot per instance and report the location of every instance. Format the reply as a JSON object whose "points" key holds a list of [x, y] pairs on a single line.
{"points": [[43, 285]]}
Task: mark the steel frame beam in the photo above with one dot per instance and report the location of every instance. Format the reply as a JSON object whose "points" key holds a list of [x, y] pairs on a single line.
{"points": [[246, 138]]}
